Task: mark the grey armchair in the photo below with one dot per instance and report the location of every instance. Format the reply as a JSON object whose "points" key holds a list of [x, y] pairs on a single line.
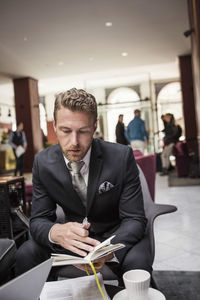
{"points": [[152, 210], [7, 259]]}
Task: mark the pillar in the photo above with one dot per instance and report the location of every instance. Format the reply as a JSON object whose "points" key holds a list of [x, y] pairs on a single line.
{"points": [[194, 20], [27, 111], [185, 64]]}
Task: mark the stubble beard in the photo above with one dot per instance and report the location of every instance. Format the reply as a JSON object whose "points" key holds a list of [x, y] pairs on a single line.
{"points": [[74, 157]]}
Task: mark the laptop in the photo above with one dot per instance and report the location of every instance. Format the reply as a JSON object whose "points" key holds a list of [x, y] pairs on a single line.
{"points": [[27, 286]]}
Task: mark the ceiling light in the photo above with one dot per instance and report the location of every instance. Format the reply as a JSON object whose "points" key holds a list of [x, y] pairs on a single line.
{"points": [[124, 54], [108, 24], [25, 39], [91, 58]]}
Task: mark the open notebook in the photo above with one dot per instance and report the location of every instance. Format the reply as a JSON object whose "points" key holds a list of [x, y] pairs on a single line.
{"points": [[27, 286], [99, 251]]}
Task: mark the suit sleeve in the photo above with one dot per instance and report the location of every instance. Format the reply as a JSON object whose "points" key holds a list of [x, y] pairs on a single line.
{"points": [[131, 208], [43, 212]]}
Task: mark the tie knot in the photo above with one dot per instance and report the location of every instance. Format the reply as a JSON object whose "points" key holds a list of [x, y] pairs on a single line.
{"points": [[76, 166]]}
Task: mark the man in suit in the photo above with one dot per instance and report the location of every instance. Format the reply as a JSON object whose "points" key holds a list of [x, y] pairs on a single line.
{"points": [[120, 131], [113, 204]]}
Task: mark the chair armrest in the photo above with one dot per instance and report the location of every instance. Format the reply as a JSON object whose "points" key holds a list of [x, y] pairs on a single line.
{"points": [[5, 246], [161, 209], [154, 211]]}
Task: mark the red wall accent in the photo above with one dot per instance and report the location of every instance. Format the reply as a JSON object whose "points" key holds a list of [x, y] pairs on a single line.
{"points": [[51, 136], [6, 126], [27, 111]]}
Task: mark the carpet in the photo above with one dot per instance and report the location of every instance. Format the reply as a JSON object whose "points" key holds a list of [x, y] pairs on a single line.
{"points": [[178, 285], [174, 180]]}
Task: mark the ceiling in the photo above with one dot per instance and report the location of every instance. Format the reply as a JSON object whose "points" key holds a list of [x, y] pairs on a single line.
{"points": [[48, 39]]}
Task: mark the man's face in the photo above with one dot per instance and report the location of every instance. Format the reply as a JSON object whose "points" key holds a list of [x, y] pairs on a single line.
{"points": [[121, 119], [74, 131], [20, 126], [167, 118]]}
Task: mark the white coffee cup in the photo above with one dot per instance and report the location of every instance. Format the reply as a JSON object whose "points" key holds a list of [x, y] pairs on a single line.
{"points": [[137, 284]]}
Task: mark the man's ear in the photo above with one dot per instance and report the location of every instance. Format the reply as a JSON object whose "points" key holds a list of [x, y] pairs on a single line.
{"points": [[95, 125]]}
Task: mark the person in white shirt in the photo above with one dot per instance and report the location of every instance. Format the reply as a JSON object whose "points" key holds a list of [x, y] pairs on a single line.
{"points": [[17, 140]]}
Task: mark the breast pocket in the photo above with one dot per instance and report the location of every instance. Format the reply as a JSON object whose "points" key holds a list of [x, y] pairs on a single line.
{"points": [[112, 190], [107, 203]]}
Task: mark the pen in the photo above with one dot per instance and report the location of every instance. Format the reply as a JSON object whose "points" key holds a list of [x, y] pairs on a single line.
{"points": [[85, 222]]}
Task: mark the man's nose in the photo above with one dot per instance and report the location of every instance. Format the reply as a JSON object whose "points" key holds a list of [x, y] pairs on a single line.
{"points": [[74, 140]]}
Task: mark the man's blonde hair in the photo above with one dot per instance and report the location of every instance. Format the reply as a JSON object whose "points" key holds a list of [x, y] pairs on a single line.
{"points": [[76, 100]]}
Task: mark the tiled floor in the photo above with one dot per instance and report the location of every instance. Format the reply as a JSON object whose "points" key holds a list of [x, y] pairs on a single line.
{"points": [[177, 235]]}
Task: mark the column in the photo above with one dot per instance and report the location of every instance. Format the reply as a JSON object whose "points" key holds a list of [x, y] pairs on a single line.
{"points": [[194, 21], [186, 77], [27, 111]]}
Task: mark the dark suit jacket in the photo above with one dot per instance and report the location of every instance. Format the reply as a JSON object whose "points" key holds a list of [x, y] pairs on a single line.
{"points": [[117, 211], [120, 133]]}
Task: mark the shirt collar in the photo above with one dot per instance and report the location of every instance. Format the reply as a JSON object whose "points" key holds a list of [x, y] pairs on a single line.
{"points": [[86, 158]]}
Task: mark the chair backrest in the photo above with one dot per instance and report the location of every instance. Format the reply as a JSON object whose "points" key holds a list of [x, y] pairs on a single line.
{"points": [[180, 149], [152, 210], [137, 153], [148, 165], [148, 202]]}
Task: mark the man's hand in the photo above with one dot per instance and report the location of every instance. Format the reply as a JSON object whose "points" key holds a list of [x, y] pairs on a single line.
{"points": [[72, 236], [98, 264]]}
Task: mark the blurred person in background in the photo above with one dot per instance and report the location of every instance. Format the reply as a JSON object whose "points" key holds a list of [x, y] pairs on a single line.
{"points": [[120, 131], [136, 132], [18, 142], [172, 134]]}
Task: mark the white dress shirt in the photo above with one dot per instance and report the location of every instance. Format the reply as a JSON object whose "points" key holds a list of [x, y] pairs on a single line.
{"points": [[85, 169], [84, 172]]}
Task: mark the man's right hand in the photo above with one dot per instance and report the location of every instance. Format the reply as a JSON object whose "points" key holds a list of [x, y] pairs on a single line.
{"points": [[72, 236]]}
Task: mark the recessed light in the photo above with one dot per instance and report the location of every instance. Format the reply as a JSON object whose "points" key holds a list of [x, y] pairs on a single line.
{"points": [[91, 58], [60, 63], [124, 54], [108, 24], [25, 39]]}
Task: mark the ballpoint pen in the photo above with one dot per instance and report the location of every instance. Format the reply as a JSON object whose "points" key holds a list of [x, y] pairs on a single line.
{"points": [[85, 222]]}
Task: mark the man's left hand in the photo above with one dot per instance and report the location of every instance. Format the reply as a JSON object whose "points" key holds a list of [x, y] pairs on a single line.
{"points": [[98, 264]]}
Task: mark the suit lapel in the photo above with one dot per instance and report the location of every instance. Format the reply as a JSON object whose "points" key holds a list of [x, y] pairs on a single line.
{"points": [[63, 175], [94, 173]]}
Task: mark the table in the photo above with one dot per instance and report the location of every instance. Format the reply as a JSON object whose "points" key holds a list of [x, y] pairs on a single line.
{"points": [[12, 195], [112, 290]]}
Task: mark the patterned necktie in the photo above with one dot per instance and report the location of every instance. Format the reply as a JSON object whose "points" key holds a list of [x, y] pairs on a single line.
{"points": [[77, 180]]}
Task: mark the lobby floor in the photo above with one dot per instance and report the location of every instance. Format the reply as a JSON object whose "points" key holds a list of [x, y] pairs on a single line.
{"points": [[177, 235]]}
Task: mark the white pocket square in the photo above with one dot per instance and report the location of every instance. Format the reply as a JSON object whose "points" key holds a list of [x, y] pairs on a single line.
{"points": [[105, 187]]}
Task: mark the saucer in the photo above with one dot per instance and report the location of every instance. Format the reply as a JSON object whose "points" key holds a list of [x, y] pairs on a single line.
{"points": [[153, 294]]}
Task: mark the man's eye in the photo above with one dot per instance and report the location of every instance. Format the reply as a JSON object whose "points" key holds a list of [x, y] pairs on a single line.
{"points": [[66, 131], [83, 131]]}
